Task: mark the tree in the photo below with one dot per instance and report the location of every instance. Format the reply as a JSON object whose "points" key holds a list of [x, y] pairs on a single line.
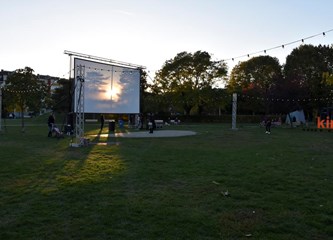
{"points": [[186, 76], [307, 71], [219, 101], [62, 96], [143, 90], [257, 78], [25, 91]]}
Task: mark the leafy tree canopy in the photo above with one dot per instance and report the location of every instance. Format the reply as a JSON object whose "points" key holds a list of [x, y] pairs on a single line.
{"points": [[186, 75], [261, 73], [260, 77], [24, 92], [189, 71], [62, 96], [308, 70]]}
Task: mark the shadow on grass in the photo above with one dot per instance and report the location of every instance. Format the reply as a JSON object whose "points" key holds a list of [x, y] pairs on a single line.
{"points": [[46, 184]]}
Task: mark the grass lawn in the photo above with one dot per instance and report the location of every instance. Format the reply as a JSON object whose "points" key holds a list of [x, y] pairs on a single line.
{"points": [[218, 184]]}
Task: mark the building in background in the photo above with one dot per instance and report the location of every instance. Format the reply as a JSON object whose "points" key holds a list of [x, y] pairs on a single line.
{"points": [[3, 76]]}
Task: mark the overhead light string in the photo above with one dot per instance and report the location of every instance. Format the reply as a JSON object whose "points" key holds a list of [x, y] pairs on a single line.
{"points": [[279, 46]]}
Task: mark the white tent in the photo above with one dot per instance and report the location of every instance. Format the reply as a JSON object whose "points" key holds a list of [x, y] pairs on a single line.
{"points": [[298, 116]]}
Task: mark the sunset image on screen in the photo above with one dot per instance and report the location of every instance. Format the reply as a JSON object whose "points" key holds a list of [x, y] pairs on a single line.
{"points": [[109, 88]]}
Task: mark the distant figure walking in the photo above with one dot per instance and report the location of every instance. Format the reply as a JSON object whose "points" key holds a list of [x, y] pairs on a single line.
{"points": [[50, 124], [138, 121], [268, 124], [102, 121]]}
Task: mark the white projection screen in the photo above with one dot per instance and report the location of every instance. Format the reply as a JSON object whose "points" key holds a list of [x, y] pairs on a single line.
{"points": [[108, 88]]}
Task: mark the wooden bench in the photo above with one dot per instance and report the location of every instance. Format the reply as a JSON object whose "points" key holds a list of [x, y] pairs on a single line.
{"points": [[159, 123]]}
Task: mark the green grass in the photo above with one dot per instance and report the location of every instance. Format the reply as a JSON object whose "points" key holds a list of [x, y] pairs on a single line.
{"points": [[280, 185]]}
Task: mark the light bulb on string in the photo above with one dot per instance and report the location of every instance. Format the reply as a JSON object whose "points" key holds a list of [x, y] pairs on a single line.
{"points": [[302, 40]]}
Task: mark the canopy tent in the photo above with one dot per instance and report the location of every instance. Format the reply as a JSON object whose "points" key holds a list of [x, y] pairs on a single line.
{"points": [[296, 116]]}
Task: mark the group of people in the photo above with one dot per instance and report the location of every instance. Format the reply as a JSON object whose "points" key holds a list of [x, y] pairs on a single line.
{"points": [[53, 129]]}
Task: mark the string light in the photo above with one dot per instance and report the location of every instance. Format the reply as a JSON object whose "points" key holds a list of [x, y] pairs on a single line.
{"points": [[282, 45], [245, 97], [21, 91], [284, 99], [115, 71], [302, 40]]}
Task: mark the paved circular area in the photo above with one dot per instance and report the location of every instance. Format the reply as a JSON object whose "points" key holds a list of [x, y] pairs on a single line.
{"points": [[155, 134]]}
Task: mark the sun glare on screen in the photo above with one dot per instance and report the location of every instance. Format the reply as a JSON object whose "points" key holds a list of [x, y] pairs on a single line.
{"points": [[113, 94]]}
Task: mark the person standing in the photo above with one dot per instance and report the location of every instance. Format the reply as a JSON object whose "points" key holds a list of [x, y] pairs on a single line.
{"points": [[138, 121], [268, 124], [50, 124], [102, 119]]}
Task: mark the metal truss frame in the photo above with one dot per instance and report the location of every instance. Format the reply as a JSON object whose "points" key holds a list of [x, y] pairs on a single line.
{"points": [[79, 89]]}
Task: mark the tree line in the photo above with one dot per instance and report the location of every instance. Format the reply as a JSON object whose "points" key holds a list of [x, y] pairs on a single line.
{"points": [[188, 83], [194, 84]]}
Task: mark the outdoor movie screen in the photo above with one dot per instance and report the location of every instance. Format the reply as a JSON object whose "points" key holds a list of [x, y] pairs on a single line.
{"points": [[108, 88]]}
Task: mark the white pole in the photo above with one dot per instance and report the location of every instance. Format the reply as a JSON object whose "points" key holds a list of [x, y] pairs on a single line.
{"points": [[234, 110]]}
